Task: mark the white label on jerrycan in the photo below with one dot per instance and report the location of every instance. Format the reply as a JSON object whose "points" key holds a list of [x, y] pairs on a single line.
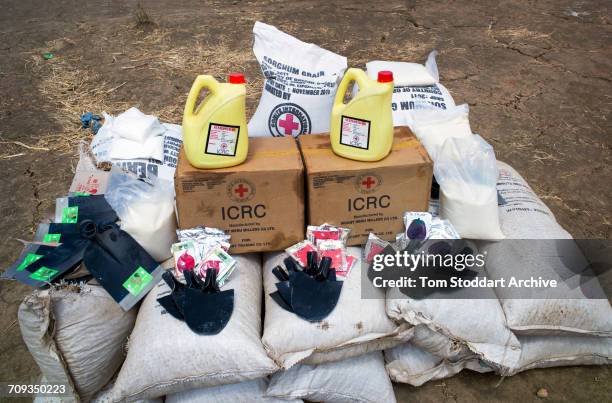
{"points": [[355, 132], [222, 139]]}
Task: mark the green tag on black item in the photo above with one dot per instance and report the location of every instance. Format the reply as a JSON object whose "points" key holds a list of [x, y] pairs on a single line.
{"points": [[137, 281], [44, 274], [29, 259], [70, 215], [52, 238]]}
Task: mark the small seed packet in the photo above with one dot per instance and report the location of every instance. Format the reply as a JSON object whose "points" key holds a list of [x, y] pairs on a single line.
{"points": [[185, 257], [299, 252], [349, 262], [314, 233], [344, 234], [323, 235], [203, 235], [442, 229], [219, 260], [333, 249], [417, 224], [373, 247], [204, 240]]}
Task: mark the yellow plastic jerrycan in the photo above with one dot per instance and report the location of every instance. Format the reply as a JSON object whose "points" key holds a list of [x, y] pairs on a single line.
{"points": [[215, 135], [362, 129]]}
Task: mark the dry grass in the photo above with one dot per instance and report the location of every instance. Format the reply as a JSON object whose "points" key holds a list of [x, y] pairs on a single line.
{"points": [[70, 89], [522, 33], [141, 17]]}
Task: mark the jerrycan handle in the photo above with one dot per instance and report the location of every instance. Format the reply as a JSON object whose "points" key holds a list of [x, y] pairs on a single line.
{"points": [[352, 74], [201, 82]]}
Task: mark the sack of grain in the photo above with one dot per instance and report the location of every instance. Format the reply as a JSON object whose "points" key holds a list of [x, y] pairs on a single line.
{"points": [[557, 351], [249, 391], [76, 335], [410, 364], [562, 311], [475, 324], [359, 379], [416, 88], [356, 326], [165, 356], [106, 396], [300, 82]]}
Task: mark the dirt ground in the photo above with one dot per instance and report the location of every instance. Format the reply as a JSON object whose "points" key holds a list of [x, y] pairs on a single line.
{"points": [[536, 75]]}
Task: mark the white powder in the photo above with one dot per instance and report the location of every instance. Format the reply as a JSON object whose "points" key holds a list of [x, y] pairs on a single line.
{"points": [[466, 169], [434, 126], [474, 213], [152, 225]]}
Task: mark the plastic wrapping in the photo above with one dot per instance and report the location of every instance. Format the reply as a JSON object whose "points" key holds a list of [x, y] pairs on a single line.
{"points": [[146, 211], [434, 126], [466, 169]]}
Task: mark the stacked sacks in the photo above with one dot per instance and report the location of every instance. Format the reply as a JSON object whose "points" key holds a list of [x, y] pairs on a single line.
{"points": [[106, 396], [523, 216], [550, 332], [357, 379], [355, 326], [569, 329], [250, 391], [410, 364], [165, 357], [468, 324], [76, 335], [429, 356], [557, 351], [337, 359]]}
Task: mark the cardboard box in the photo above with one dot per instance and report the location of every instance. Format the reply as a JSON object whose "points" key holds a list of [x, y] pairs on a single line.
{"points": [[260, 202], [366, 196]]}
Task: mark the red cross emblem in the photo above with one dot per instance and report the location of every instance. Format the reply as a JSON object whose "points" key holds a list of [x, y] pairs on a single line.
{"points": [[368, 182], [288, 124], [241, 190]]}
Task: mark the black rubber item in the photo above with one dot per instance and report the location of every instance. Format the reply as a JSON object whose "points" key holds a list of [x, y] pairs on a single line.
{"points": [[284, 290], [125, 270], [280, 273], [67, 232], [280, 301], [313, 293], [167, 302], [57, 262], [314, 300], [290, 264], [444, 248], [322, 273], [313, 263], [94, 207], [174, 302], [114, 258], [435, 189], [200, 304], [208, 310]]}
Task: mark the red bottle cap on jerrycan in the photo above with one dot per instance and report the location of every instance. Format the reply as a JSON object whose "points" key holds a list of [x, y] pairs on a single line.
{"points": [[236, 78], [385, 76]]}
